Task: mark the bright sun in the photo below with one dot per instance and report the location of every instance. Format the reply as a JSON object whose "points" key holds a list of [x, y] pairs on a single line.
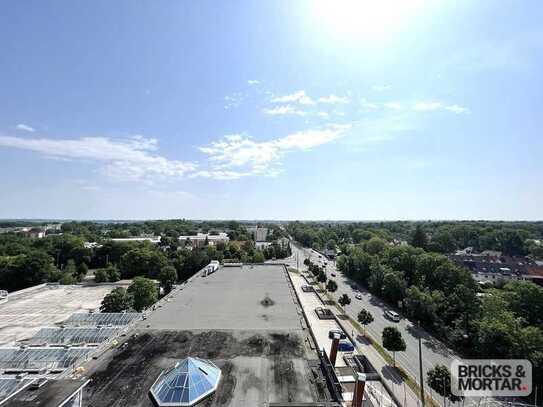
{"points": [[364, 20]]}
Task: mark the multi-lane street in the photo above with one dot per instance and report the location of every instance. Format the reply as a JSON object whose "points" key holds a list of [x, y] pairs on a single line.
{"points": [[433, 351]]}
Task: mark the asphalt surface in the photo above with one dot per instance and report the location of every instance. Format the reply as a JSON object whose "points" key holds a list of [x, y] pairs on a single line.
{"points": [[433, 351]]}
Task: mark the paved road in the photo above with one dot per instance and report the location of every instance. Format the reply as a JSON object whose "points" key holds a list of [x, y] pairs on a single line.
{"points": [[433, 351]]}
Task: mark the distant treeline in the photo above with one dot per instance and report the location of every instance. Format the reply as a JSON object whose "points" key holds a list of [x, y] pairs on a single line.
{"points": [[512, 238], [63, 257]]}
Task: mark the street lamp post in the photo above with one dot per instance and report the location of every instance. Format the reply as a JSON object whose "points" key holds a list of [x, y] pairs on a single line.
{"points": [[421, 374]]}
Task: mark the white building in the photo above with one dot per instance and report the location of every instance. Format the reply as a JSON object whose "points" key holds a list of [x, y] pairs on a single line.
{"points": [[261, 234], [200, 239], [152, 239]]}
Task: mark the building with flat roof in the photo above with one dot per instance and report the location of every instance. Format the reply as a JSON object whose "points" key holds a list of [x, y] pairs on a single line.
{"points": [[201, 239], [47, 393], [152, 239], [244, 320]]}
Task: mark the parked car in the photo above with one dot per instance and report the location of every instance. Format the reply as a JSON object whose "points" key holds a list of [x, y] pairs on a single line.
{"points": [[336, 331], [345, 346], [333, 274], [393, 316], [358, 296]]}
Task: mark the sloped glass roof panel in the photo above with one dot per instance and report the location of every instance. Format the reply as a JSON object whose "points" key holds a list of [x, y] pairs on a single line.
{"points": [[190, 381]]}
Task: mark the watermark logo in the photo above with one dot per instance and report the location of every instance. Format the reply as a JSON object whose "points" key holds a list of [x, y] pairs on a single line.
{"points": [[491, 377]]}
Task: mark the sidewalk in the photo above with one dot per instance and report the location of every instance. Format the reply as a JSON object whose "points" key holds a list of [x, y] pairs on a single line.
{"points": [[390, 379]]}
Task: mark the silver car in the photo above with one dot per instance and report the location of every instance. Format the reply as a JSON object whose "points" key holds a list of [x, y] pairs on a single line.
{"points": [[393, 316]]}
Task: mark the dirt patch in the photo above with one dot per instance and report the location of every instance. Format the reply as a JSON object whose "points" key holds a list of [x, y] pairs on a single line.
{"points": [[225, 391], [252, 381], [126, 375], [286, 345], [267, 302], [284, 376]]}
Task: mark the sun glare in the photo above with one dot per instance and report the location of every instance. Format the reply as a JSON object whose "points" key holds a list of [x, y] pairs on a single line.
{"points": [[363, 20]]}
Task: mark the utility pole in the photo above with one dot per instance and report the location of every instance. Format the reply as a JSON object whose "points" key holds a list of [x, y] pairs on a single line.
{"points": [[421, 374]]}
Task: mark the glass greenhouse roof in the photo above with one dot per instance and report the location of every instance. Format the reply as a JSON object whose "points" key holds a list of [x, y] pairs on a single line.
{"points": [[190, 381]]}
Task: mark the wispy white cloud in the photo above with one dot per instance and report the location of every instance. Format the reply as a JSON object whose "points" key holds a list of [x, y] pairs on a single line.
{"points": [[381, 88], [333, 99], [25, 127], [123, 159], [435, 105], [393, 105], [367, 105], [283, 110], [253, 82], [427, 106], [233, 100], [237, 156], [375, 130], [457, 109], [296, 97], [417, 106]]}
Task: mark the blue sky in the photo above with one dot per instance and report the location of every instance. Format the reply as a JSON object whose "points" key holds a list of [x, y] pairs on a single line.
{"points": [[271, 109]]}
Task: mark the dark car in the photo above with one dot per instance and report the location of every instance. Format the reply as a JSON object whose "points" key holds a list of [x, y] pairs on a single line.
{"points": [[345, 346]]}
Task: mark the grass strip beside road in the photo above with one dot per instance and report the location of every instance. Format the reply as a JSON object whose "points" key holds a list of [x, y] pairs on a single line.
{"points": [[411, 382]]}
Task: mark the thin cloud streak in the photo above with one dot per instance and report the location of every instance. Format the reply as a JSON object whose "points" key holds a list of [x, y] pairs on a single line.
{"points": [[25, 127], [123, 159]]}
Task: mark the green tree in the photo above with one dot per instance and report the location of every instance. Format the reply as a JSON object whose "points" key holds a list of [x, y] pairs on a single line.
{"points": [[443, 242], [439, 379], [394, 286], [393, 341], [419, 238], [258, 257], [526, 300], [70, 268], [100, 276], [512, 243], [118, 300], [167, 278], [377, 277], [81, 271], [344, 300], [331, 286], [144, 292], [420, 305], [30, 269], [113, 274], [365, 318], [321, 278], [375, 245], [67, 279], [307, 262], [142, 261]]}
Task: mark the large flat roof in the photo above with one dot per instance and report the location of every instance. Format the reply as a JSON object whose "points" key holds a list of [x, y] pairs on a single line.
{"points": [[245, 319], [236, 298], [27, 311], [257, 367], [53, 394]]}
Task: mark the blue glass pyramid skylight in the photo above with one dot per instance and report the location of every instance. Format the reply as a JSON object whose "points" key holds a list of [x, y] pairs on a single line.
{"points": [[188, 382]]}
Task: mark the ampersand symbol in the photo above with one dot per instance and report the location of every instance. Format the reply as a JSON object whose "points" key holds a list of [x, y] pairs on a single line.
{"points": [[520, 371]]}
